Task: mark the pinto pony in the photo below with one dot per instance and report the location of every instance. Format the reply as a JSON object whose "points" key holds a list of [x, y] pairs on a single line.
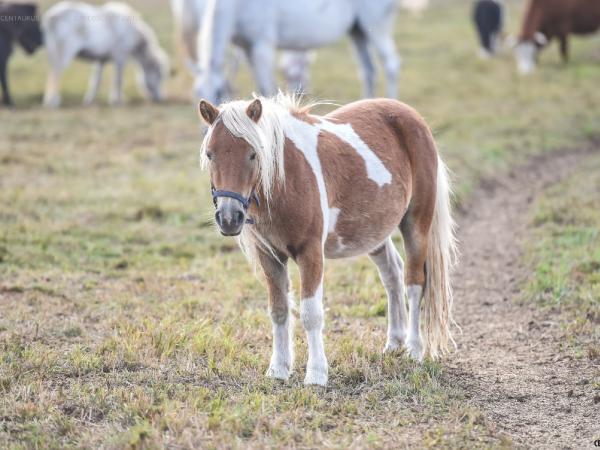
{"points": [[292, 185]]}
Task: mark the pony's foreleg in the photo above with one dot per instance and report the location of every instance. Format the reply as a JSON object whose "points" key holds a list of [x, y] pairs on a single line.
{"points": [[310, 262], [280, 307], [94, 85], [116, 93], [366, 62], [390, 266], [262, 59]]}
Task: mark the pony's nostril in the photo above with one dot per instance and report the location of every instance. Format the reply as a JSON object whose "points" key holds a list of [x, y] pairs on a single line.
{"points": [[218, 217], [239, 217]]}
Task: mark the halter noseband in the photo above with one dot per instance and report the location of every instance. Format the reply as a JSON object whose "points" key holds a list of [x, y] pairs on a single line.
{"points": [[246, 202]]}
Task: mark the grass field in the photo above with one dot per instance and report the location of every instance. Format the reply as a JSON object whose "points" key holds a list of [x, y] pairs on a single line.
{"points": [[127, 321], [566, 256]]}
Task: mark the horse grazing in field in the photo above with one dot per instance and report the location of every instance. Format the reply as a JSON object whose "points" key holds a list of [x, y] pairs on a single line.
{"points": [[113, 32], [294, 185], [187, 15], [545, 20], [18, 23], [260, 27]]}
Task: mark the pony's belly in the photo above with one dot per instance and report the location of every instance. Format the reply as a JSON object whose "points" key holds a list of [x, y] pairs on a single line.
{"points": [[337, 247]]}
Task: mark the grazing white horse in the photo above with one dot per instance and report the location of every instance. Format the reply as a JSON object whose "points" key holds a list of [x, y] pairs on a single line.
{"points": [[260, 27], [187, 14], [113, 32]]}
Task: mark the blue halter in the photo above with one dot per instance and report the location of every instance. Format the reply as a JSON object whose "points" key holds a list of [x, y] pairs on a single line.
{"points": [[246, 202]]}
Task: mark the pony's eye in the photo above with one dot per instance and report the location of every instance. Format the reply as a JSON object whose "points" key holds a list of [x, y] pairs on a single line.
{"points": [[209, 156], [252, 156]]}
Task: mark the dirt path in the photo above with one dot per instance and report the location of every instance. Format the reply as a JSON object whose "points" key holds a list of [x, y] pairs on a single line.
{"points": [[508, 363]]}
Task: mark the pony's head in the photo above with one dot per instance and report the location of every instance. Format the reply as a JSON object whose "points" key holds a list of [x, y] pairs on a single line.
{"points": [[243, 151]]}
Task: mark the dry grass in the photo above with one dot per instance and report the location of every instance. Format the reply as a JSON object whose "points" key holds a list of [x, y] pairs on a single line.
{"points": [[126, 321]]}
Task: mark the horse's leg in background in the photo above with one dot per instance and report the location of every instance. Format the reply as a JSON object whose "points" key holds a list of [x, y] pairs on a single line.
{"points": [[366, 62], [262, 58], [415, 245], [94, 84], [310, 263], [4, 55], [563, 39], [386, 48], [390, 266], [380, 34], [59, 58], [280, 307], [116, 93]]}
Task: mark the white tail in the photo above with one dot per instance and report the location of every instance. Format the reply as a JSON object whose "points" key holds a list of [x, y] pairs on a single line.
{"points": [[441, 256]]}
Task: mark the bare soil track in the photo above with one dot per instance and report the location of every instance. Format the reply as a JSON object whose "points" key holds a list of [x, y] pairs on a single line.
{"points": [[508, 363]]}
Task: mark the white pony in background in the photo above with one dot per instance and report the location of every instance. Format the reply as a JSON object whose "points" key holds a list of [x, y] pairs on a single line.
{"points": [[260, 27], [187, 14], [110, 33]]}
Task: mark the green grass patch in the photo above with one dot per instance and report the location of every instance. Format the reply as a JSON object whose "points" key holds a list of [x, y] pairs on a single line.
{"points": [[565, 251]]}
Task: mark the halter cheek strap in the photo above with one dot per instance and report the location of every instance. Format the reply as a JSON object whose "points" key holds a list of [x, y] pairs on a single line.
{"points": [[246, 202]]}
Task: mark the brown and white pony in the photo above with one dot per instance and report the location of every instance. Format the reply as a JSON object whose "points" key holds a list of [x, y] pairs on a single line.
{"points": [[295, 185]]}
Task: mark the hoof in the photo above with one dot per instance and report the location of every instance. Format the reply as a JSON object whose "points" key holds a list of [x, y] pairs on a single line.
{"points": [[415, 350], [278, 372], [316, 377], [393, 345]]}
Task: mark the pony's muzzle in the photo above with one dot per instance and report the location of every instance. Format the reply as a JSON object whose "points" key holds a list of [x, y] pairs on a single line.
{"points": [[230, 217]]}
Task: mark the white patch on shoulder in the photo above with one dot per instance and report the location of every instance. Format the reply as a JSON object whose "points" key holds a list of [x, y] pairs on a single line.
{"points": [[305, 137], [376, 171], [333, 217]]}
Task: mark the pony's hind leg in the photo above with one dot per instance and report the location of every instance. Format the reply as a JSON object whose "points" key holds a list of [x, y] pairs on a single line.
{"points": [[280, 307], [415, 228], [390, 266]]}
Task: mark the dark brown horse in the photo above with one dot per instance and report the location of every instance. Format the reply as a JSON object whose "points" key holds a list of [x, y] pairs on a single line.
{"points": [[18, 24], [293, 185]]}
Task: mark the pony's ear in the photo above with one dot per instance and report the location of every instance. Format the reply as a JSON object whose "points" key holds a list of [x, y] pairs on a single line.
{"points": [[207, 111], [254, 110]]}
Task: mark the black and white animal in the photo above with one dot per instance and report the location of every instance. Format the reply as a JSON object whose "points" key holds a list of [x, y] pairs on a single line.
{"points": [[489, 21], [18, 23]]}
